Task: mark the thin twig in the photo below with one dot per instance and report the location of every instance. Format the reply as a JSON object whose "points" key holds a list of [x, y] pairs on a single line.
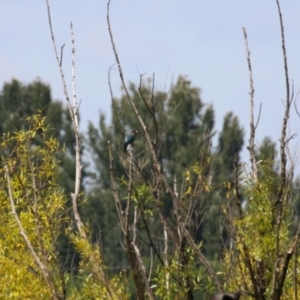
{"points": [[258, 118], [114, 105], [61, 54]]}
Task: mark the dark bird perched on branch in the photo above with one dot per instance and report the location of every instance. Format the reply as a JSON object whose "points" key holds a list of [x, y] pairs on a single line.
{"points": [[225, 296], [129, 140]]}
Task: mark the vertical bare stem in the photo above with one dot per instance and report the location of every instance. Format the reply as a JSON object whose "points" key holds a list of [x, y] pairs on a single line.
{"points": [[166, 262], [115, 191], [130, 183], [286, 113], [252, 127], [74, 117], [279, 276], [75, 121], [283, 158], [287, 82]]}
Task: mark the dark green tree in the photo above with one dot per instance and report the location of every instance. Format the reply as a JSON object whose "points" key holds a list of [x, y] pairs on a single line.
{"points": [[230, 143]]}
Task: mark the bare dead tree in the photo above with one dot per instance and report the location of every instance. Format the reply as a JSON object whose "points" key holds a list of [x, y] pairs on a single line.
{"points": [[73, 110], [97, 268], [258, 270], [159, 179], [283, 259]]}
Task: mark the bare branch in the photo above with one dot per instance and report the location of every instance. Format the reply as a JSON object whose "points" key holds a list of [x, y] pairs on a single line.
{"points": [[237, 187], [282, 274], [157, 165], [286, 114], [115, 191], [75, 122], [143, 97], [160, 179], [114, 104], [287, 82], [58, 60], [279, 276], [283, 155], [61, 54], [97, 269], [143, 271], [252, 127], [166, 262], [129, 193], [74, 117], [258, 118]]}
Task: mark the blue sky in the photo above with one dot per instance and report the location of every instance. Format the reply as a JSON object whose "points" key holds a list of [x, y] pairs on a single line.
{"points": [[201, 39]]}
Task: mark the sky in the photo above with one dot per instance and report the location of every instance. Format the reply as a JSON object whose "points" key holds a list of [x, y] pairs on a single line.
{"points": [[201, 39]]}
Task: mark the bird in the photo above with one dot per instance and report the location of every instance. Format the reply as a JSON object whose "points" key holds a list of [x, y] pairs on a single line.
{"points": [[130, 140], [226, 296]]}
